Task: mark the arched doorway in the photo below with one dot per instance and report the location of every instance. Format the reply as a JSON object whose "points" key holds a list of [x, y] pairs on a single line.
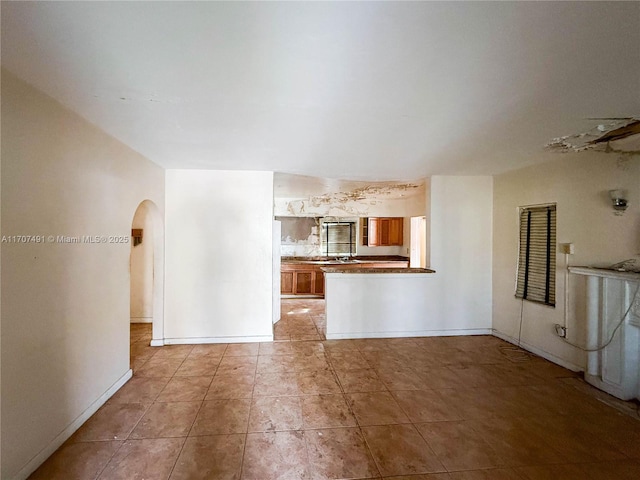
{"points": [[147, 269]]}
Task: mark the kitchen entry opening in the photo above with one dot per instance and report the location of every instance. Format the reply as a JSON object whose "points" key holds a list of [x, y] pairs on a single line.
{"points": [[338, 238]]}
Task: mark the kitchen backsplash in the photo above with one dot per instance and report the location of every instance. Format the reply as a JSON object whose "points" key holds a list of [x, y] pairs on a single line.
{"points": [[300, 236]]}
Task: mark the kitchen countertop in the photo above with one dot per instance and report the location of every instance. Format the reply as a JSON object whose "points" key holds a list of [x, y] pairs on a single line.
{"points": [[351, 260], [377, 270]]}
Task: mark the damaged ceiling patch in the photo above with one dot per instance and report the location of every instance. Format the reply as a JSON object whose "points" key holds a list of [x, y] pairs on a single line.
{"points": [[355, 202], [617, 135], [298, 195], [366, 193]]}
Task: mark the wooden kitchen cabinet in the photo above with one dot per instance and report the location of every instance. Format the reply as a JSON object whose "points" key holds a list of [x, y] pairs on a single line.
{"points": [[307, 278], [304, 282], [383, 232], [318, 288], [396, 226], [286, 282], [301, 279]]}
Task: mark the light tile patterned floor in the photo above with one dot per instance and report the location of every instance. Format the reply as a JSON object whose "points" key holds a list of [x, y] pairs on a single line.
{"points": [[445, 408]]}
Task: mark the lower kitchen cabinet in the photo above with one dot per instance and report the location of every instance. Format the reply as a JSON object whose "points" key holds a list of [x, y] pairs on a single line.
{"points": [[304, 283], [301, 279], [286, 282], [319, 283]]}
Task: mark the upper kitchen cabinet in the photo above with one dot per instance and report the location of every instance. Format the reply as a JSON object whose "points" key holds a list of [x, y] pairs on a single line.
{"points": [[382, 231]]}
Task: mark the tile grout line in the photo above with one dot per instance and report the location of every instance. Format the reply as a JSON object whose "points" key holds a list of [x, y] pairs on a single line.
{"points": [[155, 401], [173, 467], [358, 425], [101, 471], [411, 422], [246, 434], [304, 428]]}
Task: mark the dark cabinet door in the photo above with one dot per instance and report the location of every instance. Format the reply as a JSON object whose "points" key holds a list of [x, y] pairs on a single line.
{"points": [[319, 283], [286, 283], [395, 231], [304, 282], [385, 231]]}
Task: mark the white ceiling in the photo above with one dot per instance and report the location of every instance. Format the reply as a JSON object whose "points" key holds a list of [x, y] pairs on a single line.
{"points": [[361, 91]]}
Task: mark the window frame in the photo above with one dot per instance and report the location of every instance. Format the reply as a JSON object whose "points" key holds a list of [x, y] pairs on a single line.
{"points": [[537, 261], [325, 238]]}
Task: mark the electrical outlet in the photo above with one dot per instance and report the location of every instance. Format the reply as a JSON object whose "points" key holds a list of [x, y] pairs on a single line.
{"points": [[561, 331], [567, 248]]}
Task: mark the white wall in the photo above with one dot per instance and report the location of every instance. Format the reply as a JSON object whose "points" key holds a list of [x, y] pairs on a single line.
{"points": [[0, 311], [460, 231], [142, 268], [578, 183], [65, 307], [371, 305], [218, 263]]}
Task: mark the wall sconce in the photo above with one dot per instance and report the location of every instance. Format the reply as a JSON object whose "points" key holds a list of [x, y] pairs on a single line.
{"points": [[136, 234], [619, 201]]}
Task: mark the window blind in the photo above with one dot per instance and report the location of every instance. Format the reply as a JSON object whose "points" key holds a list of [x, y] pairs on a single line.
{"points": [[536, 279], [339, 238]]}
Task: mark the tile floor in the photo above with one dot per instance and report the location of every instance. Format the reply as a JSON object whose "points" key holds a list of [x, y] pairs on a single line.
{"points": [[446, 408]]}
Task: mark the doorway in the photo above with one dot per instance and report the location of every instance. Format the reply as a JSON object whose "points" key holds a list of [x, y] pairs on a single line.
{"points": [[147, 270], [418, 253]]}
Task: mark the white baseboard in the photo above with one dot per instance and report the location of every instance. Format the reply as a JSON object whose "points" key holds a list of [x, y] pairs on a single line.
{"points": [[157, 343], [541, 353], [57, 442], [200, 340], [419, 333], [616, 390]]}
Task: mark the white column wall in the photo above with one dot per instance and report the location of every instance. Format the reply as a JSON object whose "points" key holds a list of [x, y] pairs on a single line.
{"points": [[218, 261], [460, 232]]}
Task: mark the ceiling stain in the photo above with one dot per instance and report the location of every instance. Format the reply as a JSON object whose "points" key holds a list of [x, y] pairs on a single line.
{"points": [[368, 192], [355, 202]]}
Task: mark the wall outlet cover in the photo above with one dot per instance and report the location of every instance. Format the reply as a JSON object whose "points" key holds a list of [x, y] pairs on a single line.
{"points": [[567, 248], [561, 331]]}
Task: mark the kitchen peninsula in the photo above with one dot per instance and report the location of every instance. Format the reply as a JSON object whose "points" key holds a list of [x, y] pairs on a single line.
{"points": [[378, 302], [305, 276]]}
